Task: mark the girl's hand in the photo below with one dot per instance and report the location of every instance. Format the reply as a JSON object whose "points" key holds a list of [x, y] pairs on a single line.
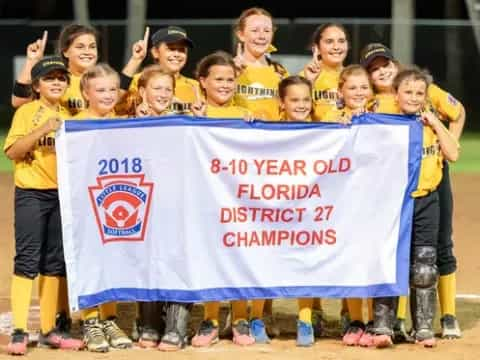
{"points": [[52, 124], [239, 59], [314, 67], [199, 106], [429, 118], [140, 48], [249, 117], [36, 49], [142, 109]]}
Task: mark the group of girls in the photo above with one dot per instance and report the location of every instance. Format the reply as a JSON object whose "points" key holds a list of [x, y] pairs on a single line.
{"points": [[250, 86]]}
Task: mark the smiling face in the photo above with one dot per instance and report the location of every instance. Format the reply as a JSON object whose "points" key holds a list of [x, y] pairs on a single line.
{"points": [[158, 93], [219, 84], [297, 102], [256, 35], [82, 53], [101, 94], [382, 72], [356, 91], [172, 57], [52, 86], [333, 46], [411, 95]]}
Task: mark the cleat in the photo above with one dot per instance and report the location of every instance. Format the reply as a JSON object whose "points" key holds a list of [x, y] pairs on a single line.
{"points": [[258, 331], [241, 333], [93, 336], [18, 343], [305, 337], [206, 335], [382, 341], [450, 327], [367, 337], [115, 336], [58, 340], [148, 337], [354, 333]]}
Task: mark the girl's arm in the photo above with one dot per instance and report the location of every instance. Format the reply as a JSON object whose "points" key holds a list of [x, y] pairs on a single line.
{"points": [[20, 148], [448, 144]]}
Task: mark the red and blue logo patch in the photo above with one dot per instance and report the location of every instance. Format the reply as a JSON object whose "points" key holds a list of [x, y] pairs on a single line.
{"points": [[121, 204]]}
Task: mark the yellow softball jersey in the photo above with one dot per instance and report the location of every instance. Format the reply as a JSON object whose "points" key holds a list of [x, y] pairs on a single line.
{"points": [[257, 90], [440, 102], [324, 93], [184, 94], [39, 168], [72, 100], [431, 166], [227, 112], [337, 115], [86, 115]]}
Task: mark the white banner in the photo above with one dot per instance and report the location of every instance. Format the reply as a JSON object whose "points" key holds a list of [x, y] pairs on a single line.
{"points": [[190, 209]]}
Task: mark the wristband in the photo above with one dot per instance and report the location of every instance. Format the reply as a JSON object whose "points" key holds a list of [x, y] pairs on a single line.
{"points": [[22, 90]]}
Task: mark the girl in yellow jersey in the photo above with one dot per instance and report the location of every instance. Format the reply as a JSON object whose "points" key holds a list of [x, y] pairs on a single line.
{"points": [[30, 143], [382, 67], [99, 86], [77, 45], [259, 76], [257, 90], [329, 48], [216, 74], [169, 49], [295, 93], [355, 92], [411, 92]]}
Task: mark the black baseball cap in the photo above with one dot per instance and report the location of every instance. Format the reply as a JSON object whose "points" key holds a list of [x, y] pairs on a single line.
{"points": [[373, 51], [171, 34], [47, 65]]}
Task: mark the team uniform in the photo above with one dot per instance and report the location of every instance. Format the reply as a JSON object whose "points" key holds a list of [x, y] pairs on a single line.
{"points": [[38, 231], [257, 90], [324, 93], [447, 108], [423, 268], [72, 100], [208, 331]]}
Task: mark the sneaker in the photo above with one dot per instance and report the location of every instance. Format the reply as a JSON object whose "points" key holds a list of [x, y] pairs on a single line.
{"points": [[425, 337], [241, 333], [206, 335], [93, 336], [172, 341], [63, 323], [400, 333], [148, 337], [354, 333], [271, 325], [18, 343], [258, 331], [450, 327], [318, 323], [367, 337], [115, 336], [382, 341], [58, 340], [304, 334]]}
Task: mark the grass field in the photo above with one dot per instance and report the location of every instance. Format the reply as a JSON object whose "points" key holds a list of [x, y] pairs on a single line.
{"points": [[469, 161]]}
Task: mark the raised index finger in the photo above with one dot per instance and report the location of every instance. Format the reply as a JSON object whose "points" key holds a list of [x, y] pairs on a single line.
{"points": [[315, 54], [44, 39], [146, 35], [240, 49]]}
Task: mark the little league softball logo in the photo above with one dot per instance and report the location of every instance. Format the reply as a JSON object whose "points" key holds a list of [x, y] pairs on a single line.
{"points": [[121, 204]]}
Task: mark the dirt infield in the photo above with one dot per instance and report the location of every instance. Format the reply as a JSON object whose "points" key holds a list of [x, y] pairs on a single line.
{"points": [[466, 230]]}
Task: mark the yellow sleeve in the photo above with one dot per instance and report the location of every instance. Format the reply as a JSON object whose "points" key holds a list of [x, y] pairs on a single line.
{"points": [[18, 128], [444, 103]]}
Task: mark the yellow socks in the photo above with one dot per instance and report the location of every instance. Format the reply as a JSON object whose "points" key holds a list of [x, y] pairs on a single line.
{"points": [[90, 313], [447, 291], [402, 307], [108, 310], [305, 310], [211, 310], [48, 292], [355, 309], [239, 310], [370, 309], [257, 309], [20, 294]]}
